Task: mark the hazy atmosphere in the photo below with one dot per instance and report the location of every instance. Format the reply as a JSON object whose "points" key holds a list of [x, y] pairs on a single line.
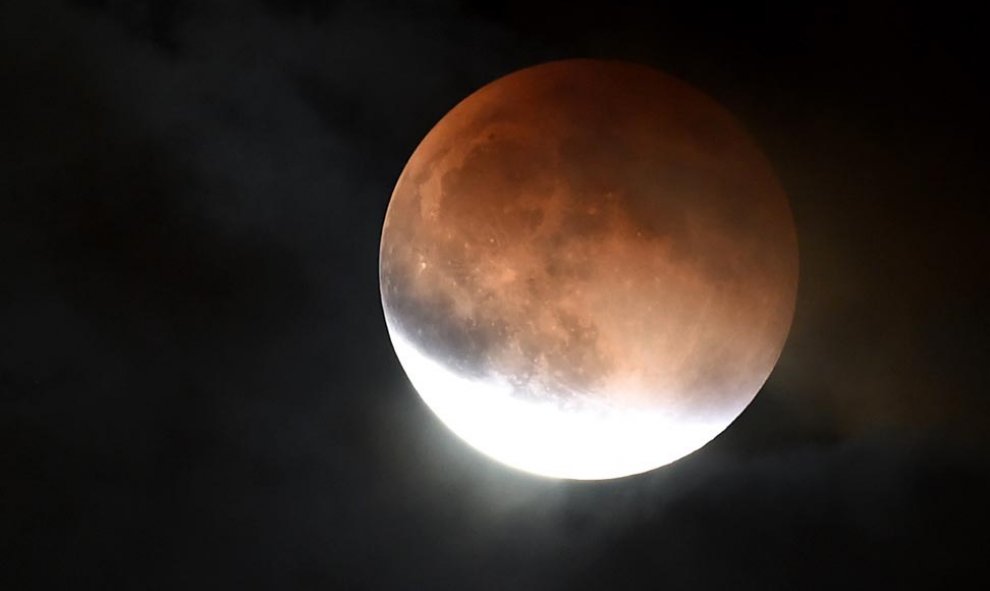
{"points": [[197, 388]]}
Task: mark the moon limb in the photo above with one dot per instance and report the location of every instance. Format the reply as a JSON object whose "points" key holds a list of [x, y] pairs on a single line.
{"points": [[588, 443], [598, 240]]}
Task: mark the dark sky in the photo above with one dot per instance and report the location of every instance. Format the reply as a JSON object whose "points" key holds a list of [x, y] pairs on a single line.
{"points": [[198, 390]]}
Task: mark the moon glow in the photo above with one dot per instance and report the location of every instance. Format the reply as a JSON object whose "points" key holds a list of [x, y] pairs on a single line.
{"points": [[588, 269]]}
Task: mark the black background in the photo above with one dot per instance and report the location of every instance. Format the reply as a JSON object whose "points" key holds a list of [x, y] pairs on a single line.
{"points": [[197, 386]]}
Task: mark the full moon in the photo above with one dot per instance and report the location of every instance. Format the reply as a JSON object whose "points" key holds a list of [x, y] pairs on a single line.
{"points": [[588, 269]]}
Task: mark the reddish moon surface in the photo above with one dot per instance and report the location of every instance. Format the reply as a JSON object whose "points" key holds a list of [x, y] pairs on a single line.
{"points": [[588, 269]]}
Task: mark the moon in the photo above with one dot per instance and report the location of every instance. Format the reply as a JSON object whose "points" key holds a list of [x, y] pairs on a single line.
{"points": [[588, 269]]}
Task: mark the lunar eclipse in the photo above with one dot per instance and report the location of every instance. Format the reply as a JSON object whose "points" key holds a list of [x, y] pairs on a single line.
{"points": [[377, 295], [588, 269]]}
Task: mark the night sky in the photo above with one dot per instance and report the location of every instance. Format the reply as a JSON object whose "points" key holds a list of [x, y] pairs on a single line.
{"points": [[197, 389]]}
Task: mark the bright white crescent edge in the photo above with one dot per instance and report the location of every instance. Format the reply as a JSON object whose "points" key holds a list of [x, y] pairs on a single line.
{"points": [[544, 439]]}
